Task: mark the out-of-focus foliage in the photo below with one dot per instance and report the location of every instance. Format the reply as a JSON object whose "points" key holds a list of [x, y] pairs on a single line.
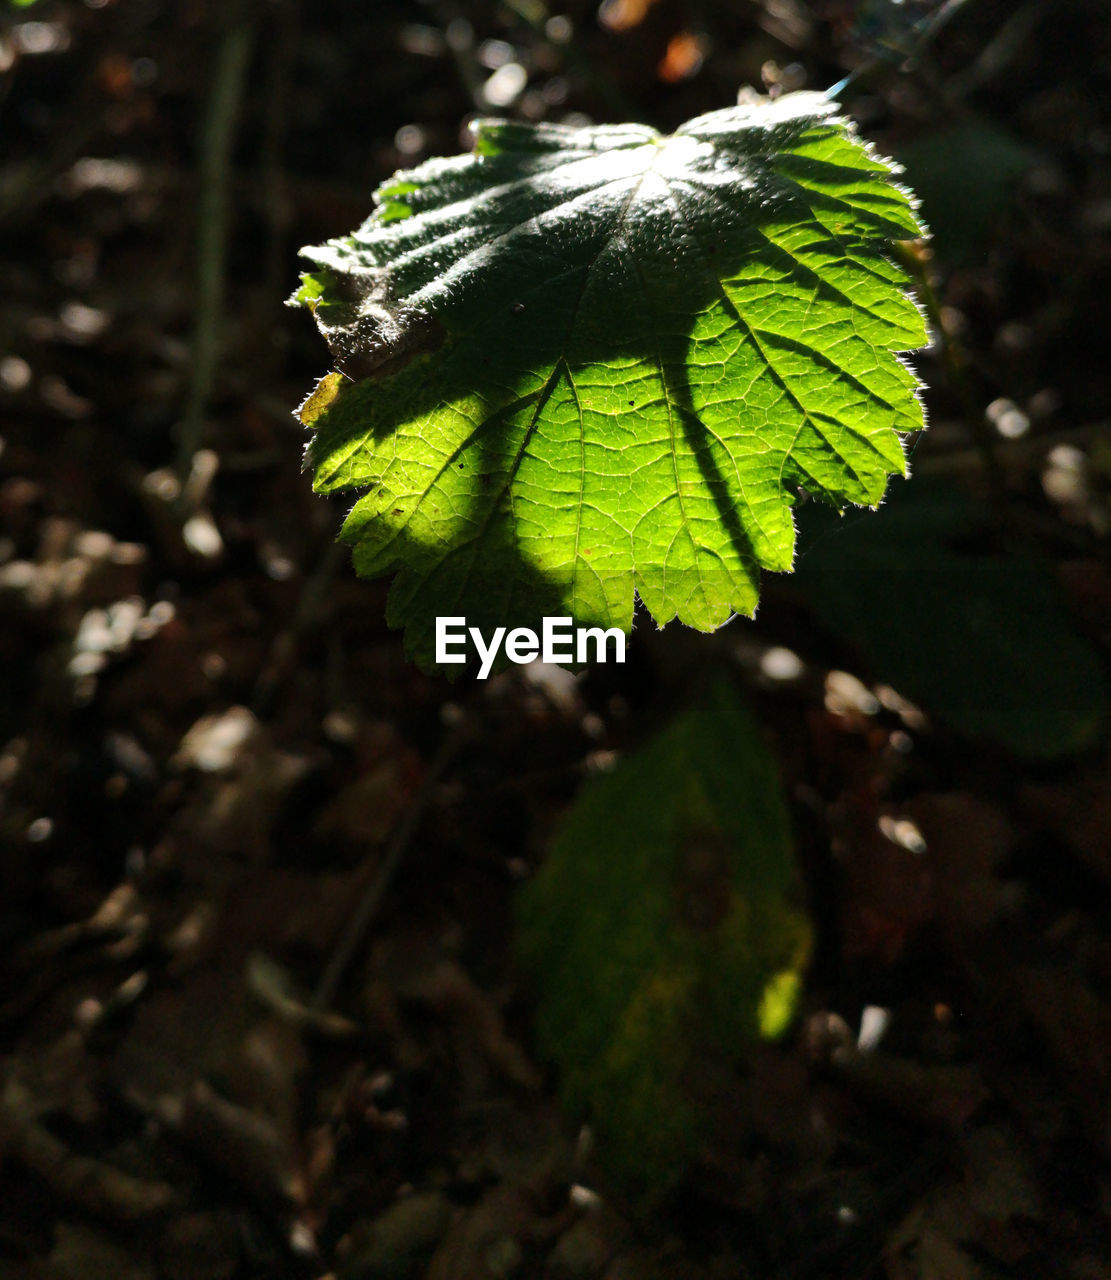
{"points": [[975, 633], [661, 936], [964, 175]]}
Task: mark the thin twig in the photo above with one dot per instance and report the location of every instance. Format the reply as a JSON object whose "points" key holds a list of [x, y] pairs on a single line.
{"points": [[217, 142], [998, 53], [272, 178], [923, 34], [353, 936], [305, 618]]}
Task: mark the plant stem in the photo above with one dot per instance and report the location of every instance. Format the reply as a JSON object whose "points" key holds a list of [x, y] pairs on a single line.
{"points": [[360, 921], [217, 142], [924, 33]]}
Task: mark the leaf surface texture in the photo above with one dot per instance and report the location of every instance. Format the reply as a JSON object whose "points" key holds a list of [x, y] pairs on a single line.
{"points": [[580, 364]]}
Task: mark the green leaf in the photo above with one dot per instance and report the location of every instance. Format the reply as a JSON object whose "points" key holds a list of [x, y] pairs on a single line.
{"points": [[661, 939], [972, 629], [583, 363]]}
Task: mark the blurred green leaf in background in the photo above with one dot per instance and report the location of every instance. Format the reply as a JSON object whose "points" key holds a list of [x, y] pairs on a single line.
{"points": [[662, 937], [965, 177], [977, 633]]}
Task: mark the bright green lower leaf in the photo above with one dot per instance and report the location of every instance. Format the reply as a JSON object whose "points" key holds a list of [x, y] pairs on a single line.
{"points": [[661, 938], [581, 364]]}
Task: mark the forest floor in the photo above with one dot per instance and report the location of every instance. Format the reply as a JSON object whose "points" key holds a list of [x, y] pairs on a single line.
{"points": [[259, 1015]]}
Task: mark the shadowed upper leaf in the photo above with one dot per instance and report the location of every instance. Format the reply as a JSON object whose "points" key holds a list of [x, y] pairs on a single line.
{"points": [[580, 363]]}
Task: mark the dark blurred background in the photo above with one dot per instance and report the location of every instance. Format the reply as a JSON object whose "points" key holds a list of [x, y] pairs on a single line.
{"points": [[224, 788]]}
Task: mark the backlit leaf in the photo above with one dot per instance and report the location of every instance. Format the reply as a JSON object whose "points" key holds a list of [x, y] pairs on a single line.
{"points": [[583, 363]]}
